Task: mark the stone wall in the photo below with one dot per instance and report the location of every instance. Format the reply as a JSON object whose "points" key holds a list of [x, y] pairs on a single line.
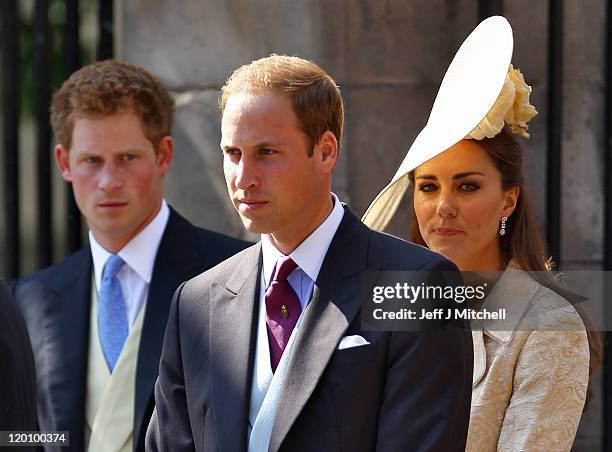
{"points": [[384, 56], [388, 58]]}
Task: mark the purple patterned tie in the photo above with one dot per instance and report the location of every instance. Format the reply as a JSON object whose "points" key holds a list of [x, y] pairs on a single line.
{"points": [[282, 309]]}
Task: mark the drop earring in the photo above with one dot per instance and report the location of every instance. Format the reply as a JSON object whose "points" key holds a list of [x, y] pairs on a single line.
{"points": [[502, 228]]}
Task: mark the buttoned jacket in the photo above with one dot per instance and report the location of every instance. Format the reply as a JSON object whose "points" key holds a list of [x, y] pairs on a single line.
{"points": [[402, 391], [531, 370]]}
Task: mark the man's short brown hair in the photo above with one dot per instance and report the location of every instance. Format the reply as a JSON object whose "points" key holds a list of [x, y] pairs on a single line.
{"points": [[108, 87], [316, 98]]}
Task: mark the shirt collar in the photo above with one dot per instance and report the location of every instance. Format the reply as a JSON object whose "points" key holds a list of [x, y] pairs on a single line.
{"points": [[310, 253], [139, 253]]}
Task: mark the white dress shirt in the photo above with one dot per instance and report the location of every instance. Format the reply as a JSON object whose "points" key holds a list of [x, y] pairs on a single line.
{"points": [[139, 257], [309, 256]]}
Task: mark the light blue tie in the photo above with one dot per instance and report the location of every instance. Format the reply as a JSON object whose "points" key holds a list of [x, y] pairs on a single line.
{"points": [[112, 312]]}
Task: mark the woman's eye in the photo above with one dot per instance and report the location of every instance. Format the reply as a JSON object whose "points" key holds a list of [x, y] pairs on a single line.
{"points": [[267, 151], [427, 187], [468, 186]]}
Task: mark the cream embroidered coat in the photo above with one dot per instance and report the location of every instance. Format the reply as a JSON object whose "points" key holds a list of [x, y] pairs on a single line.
{"points": [[530, 381]]}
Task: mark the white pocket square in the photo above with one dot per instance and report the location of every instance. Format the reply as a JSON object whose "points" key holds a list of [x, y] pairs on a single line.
{"points": [[352, 341]]}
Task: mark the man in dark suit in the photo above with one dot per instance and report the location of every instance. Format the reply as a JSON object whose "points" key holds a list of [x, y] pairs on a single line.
{"points": [[96, 319], [266, 351], [18, 381]]}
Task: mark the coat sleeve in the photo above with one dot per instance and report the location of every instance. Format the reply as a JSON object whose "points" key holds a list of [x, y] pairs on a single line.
{"points": [[428, 388], [17, 374], [170, 429], [548, 394]]}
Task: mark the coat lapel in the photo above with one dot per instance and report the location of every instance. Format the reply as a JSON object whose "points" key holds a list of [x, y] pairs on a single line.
{"points": [[66, 325], [335, 303], [480, 356], [176, 261], [232, 339]]}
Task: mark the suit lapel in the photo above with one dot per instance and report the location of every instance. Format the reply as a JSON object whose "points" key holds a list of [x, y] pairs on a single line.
{"points": [[176, 261], [65, 361], [232, 339], [333, 307]]}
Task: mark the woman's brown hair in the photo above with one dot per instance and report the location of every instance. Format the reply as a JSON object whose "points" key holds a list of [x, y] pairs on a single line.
{"points": [[523, 241]]}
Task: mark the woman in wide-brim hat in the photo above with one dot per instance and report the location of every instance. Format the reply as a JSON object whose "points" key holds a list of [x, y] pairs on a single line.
{"points": [[531, 371]]}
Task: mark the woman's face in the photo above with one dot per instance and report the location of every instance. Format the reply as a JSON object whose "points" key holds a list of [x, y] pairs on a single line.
{"points": [[459, 203]]}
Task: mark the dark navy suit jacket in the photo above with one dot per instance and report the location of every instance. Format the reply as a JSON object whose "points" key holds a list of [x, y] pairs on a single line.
{"points": [[17, 378], [55, 303], [404, 391]]}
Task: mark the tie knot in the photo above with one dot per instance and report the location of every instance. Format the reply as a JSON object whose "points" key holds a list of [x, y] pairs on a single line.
{"points": [[112, 266], [284, 267]]}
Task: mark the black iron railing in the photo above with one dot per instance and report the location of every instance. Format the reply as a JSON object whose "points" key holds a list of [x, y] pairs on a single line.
{"points": [[10, 126], [42, 62]]}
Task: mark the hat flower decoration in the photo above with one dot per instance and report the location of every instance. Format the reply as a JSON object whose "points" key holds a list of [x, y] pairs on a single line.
{"points": [[480, 94], [512, 107]]}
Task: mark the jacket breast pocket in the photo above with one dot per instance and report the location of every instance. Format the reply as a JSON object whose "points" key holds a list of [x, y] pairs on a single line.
{"points": [[353, 355]]}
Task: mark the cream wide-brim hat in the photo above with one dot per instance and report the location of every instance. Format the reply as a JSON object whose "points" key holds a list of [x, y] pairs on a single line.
{"points": [[471, 85]]}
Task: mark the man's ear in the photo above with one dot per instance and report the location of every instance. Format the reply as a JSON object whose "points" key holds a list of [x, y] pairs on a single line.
{"points": [[165, 152], [327, 148], [62, 160], [510, 199]]}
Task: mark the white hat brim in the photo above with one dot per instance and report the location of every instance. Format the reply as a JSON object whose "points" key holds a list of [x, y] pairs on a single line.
{"points": [[468, 91]]}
